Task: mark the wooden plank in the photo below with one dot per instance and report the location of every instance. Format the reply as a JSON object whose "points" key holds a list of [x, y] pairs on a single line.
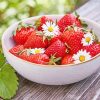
{"points": [[93, 91], [87, 89]]}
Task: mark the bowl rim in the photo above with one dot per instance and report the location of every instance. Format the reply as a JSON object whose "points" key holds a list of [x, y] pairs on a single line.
{"points": [[46, 66]]}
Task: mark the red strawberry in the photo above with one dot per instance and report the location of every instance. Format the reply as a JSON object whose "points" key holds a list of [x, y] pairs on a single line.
{"points": [[67, 20], [36, 41], [35, 58], [16, 49], [73, 40], [52, 40], [78, 22], [40, 22], [67, 60], [22, 34], [39, 59], [94, 49], [57, 48], [23, 55]]}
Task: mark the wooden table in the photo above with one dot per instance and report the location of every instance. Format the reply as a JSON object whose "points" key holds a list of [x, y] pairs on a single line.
{"points": [[88, 89]]}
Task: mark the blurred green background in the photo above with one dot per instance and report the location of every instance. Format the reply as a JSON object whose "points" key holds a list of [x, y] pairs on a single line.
{"points": [[14, 10]]}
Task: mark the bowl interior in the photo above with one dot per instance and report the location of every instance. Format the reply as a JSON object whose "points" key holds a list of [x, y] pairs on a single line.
{"points": [[7, 36]]}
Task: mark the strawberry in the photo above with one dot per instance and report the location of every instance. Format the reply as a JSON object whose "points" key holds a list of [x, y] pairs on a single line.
{"points": [[22, 33], [39, 59], [57, 48], [35, 58], [36, 41], [16, 49], [52, 40], [94, 49], [73, 40], [40, 22], [67, 20], [67, 60], [23, 55]]}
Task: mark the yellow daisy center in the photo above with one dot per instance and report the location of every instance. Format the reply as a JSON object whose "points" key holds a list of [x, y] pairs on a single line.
{"points": [[88, 39], [50, 29], [82, 58], [37, 51]]}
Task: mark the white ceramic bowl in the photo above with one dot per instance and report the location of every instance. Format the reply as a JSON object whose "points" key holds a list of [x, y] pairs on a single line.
{"points": [[50, 74]]}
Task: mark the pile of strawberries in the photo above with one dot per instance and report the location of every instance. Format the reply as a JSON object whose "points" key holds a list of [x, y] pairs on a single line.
{"points": [[51, 42]]}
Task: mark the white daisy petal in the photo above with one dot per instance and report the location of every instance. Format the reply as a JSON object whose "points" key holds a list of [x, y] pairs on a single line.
{"points": [[48, 24], [81, 56], [77, 62], [56, 28], [37, 50], [50, 29], [75, 57], [56, 33], [87, 40], [53, 25], [44, 27]]}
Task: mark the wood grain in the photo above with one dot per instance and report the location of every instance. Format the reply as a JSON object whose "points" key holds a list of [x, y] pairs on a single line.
{"points": [[88, 89]]}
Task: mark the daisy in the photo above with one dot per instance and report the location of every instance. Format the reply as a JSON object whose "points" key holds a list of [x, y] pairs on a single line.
{"points": [[88, 39], [37, 50], [50, 29], [81, 56]]}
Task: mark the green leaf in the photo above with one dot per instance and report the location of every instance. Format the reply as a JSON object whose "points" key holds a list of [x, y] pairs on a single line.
{"points": [[8, 79], [76, 14], [84, 24], [2, 60]]}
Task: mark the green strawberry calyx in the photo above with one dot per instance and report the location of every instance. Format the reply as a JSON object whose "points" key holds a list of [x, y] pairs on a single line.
{"points": [[25, 25], [73, 27], [21, 25], [37, 22], [83, 23], [54, 60]]}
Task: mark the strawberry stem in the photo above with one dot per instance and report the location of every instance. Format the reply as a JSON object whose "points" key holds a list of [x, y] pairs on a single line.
{"points": [[56, 21], [67, 45]]}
